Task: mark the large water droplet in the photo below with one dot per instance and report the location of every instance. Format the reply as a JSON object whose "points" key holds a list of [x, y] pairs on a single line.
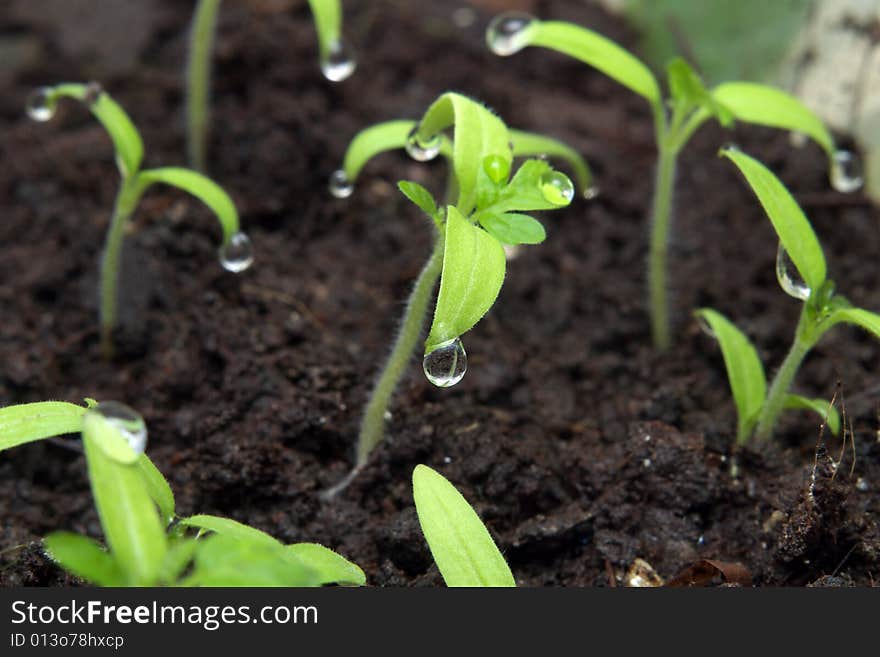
{"points": [[41, 104], [445, 366], [237, 254], [507, 33], [420, 149], [557, 188], [339, 62], [789, 278], [846, 172], [130, 426], [340, 186]]}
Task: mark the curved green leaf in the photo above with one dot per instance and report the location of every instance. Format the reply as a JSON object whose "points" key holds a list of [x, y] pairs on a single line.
{"points": [[203, 188], [25, 423], [230, 528], [596, 51], [791, 225], [512, 228], [821, 407], [473, 271], [331, 567], [223, 560], [745, 373], [157, 487], [526, 191], [529, 144], [420, 196], [327, 15], [459, 541], [859, 317], [380, 138], [84, 558]]}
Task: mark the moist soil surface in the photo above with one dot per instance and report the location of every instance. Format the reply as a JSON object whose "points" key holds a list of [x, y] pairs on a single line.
{"points": [[581, 448]]}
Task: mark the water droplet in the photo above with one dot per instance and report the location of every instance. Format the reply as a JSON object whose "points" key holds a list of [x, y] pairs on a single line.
{"points": [[464, 17], [237, 254], [861, 484], [447, 460], [797, 139], [92, 93], [387, 416], [41, 104], [591, 192], [788, 276], [646, 463], [339, 62], [422, 150], [507, 34], [445, 366], [557, 188], [705, 327], [128, 422], [512, 251], [340, 186], [846, 172], [497, 168]]}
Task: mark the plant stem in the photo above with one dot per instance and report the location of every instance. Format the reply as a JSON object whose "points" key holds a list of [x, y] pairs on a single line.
{"points": [[660, 217], [775, 403], [373, 423], [198, 79], [126, 200]]}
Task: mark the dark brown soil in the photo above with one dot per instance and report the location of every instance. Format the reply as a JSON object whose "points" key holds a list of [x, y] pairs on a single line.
{"points": [[581, 448]]}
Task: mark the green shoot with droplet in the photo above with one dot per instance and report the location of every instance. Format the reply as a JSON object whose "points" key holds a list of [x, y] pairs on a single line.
{"points": [[146, 543], [676, 118], [235, 251], [801, 271], [485, 212]]}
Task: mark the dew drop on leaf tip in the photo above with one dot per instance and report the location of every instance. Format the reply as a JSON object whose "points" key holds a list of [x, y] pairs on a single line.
{"points": [[846, 172], [237, 254], [557, 187], [446, 364], [788, 276], [507, 33], [340, 186], [127, 421], [422, 150], [339, 63], [41, 104]]}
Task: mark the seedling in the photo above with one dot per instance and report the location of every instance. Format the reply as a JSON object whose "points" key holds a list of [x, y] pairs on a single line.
{"points": [[337, 63], [676, 119], [460, 543], [147, 544], [801, 271], [235, 252], [468, 255]]}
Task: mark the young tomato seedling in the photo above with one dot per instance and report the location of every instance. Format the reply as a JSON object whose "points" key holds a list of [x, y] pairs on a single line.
{"points": [[337, 63], [235, 252], [469, 233], [675, 120], [460, 543], [147, 544], [801, 271]]}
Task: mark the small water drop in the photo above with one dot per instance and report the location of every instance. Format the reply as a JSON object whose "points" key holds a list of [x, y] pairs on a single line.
{"points": [[237, 254], [788, 276], [340, 186], [127, 421], [421, 150], [797, 139], [497, 168], [507, 33], [861, 484], [41, 104], [512, 251], [339, 62], [591, 192], [445, 366], [846, 172], [557, 188], [705, 327]]}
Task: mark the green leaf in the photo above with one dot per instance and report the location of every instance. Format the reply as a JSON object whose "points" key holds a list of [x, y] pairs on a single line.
{"points": [[821, 407], [203, 188], [84, 558], [768, 106], [228, 561], [179, 556], [25, 423], [157, 487], [527, 191], [597, 51], [126, 140], [478, 133], [791, 225], [688, 91], [473, 271], [863, 318], [379, 138], [528, 144], [330, 567], [230, 528], [328, 23], [128, 515], [420, 196], [745, 373], [460, 543], [513, 228]]}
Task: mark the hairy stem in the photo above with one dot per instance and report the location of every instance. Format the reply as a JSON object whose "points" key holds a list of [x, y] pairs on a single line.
{"points": [[373, 423], [198, 80], [660, 218]]}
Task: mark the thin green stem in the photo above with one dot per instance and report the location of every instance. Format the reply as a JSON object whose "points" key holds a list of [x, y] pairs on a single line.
{"points": [[373, 423], [198, 80], [660, 219]]}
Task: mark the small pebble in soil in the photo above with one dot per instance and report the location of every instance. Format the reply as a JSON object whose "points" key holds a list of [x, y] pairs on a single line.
{"points": [[446, 365], [861, 484]]}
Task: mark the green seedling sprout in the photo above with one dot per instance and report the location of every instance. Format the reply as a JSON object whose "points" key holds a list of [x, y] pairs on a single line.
{"points": [[337, 63], [676, 119], [801, 272], [147, 544], [461, 545], [469, 234], [235, 252]]}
